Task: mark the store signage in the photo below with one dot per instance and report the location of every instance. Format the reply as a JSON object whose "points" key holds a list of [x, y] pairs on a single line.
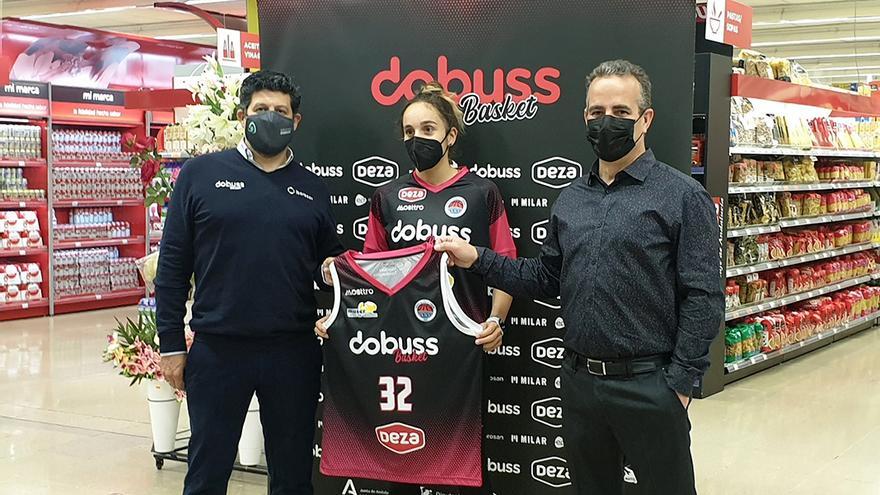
{"points": [[728, 22], [89, 104], [238, 49], [24, 98]]}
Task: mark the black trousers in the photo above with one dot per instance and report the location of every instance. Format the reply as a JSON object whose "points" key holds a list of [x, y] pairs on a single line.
{"points": [[222, 374], [639, 419]]}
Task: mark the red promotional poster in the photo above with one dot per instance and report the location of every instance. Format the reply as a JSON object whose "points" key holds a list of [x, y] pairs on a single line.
{"points": [[74, 56]]}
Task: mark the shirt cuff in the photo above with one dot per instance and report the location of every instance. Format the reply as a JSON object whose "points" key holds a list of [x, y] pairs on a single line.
{"points": [[681, 379], [484, 256], [172, 342]]}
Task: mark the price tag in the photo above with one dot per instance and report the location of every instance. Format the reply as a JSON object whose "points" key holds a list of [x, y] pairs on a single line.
{"points": [[22, 252], [98, 297], [21, 163], [99, 164], [125, 242], [75, 204], [118, 202], [78, 244], [22, 204], [25, 306]]}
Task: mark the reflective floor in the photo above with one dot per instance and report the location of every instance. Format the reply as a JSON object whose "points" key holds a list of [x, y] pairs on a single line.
{"points": [[70, 426]]}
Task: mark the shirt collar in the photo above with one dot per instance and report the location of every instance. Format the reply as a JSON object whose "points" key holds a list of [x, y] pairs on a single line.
{"points": [[248, 155], [638, 169]]}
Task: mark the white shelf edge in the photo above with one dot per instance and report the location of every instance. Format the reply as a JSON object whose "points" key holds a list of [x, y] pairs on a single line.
{"points": [[757, 150], [822, 186]]}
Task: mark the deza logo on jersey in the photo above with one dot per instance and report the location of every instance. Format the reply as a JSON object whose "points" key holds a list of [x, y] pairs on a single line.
{"points": [[507, 94], [422, 231], [375, 171], [412, 194], [401, 438], [552, 471]]}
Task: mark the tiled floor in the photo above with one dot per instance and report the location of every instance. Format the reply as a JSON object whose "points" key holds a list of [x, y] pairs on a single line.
{"points": [[69, 426]]}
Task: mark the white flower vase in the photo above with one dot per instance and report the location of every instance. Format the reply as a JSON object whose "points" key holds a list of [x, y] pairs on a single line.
{"points": [[250, 446], [164, 414]]}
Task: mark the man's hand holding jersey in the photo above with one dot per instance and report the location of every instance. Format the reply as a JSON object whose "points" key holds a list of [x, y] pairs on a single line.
{"points": [[461, 254]]}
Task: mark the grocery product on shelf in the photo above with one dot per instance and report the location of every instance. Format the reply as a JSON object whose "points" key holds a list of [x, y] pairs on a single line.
{"points": [[751, 209], [755, 288], [20, 282], [777, 329], [20, 230], [93, 271], [754, 63], [88, 145], [96, 183], [14, 186], [20, 142], [176, 139], [92, 223]]}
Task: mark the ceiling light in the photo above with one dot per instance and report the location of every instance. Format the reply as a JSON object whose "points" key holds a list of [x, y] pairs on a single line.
{"points": [[80, 12], [185, 36], [816, 22], [835, 55], [837, 76], [851, 39], [867, 67]]}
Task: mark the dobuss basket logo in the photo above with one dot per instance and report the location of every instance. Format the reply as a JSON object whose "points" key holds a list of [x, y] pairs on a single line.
{"points": [[401, 438], [425, 310], [486, 96]]}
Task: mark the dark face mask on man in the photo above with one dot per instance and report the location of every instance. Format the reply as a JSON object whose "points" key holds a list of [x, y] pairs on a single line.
{"points": [[268, 133], [425, 153], [612, 137]]}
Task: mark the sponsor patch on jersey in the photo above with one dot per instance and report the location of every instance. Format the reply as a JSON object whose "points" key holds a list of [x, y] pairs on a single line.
{"points": [[412, 194], [365, 309], [401, 438], [425, 310], [456, 207]]}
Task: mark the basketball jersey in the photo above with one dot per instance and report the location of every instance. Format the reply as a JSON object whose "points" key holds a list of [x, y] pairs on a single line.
{"points": [[402, 374]]}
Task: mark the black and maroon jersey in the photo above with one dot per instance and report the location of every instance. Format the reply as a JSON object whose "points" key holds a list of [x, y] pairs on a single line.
{"points": [[409, 211], [402, 374]]}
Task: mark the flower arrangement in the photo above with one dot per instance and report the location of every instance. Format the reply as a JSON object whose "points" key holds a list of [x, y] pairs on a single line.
{"points": [[156, 180], [212, 124], [133, 348]]}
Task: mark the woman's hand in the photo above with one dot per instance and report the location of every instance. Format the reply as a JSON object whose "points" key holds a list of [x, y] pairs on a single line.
{"points": [[491, 336], [321, 328], [325, 272]]}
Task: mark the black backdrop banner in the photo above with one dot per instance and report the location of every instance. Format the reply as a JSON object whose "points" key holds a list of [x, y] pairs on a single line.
{"points": [[519, 68]]}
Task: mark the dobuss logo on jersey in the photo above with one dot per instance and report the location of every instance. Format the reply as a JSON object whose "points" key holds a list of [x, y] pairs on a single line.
{"points": [[404, 349], [422, 231], [505, 94], [401, 438], [552, 471], [556, 172]]}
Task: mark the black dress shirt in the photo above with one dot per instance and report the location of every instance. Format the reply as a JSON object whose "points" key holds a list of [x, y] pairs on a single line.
{"points": [[637, 265]]}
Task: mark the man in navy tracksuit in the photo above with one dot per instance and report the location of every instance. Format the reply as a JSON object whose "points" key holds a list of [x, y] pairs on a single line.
{"points": [[254, 226]]}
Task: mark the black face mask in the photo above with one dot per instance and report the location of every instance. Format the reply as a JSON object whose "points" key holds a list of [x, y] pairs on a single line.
{"points": [[611, 137], [268, 133], [425, 153]]}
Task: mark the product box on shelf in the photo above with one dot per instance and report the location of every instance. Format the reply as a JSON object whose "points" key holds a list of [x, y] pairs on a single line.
{"points": [[20, 230], [72, 183], [20, 282], [93, 271], [20, 142], [88, 145]]}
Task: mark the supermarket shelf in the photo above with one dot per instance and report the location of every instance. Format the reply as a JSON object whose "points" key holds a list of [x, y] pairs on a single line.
{"points": [[71, 304], [88, 203], [757, 150], [823, 186], [794, 298], [12, 253], [28, 163], [24, 309], [747, 231], [773, 265], [797, 222], [741, 369], [97, 164], [89, 243], [7, 205], [96, 123], [174, 156]]}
